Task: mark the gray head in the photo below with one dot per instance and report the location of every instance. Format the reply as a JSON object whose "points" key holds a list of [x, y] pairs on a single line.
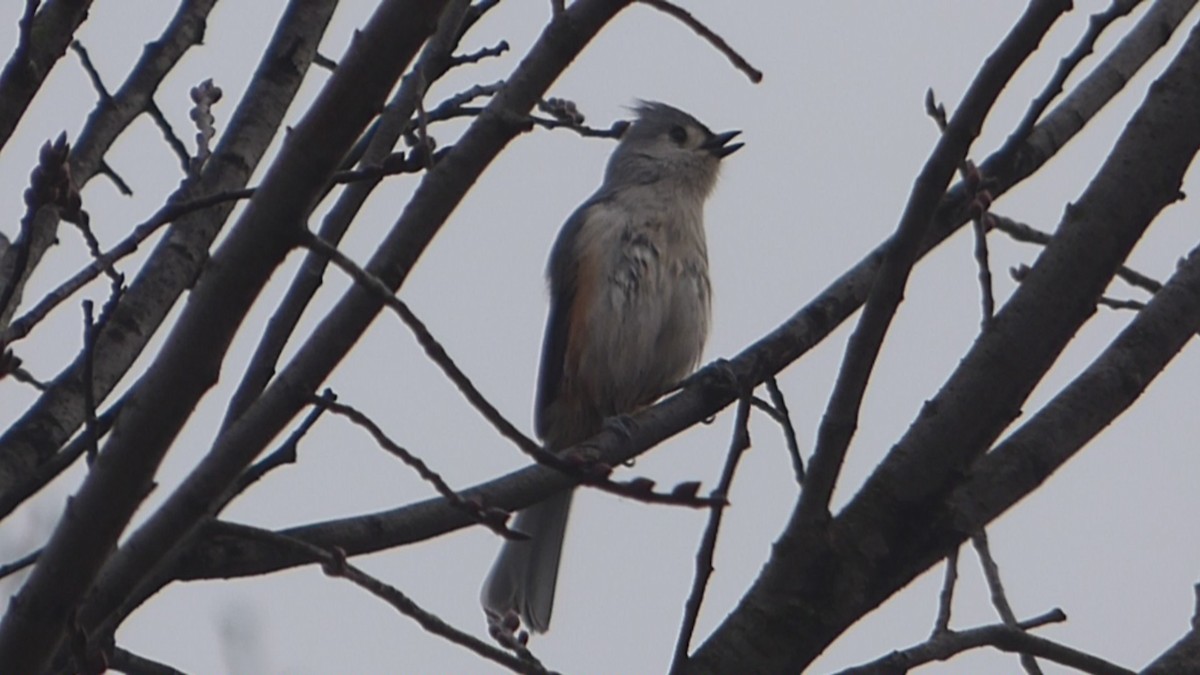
{"points": [[667, 144]]}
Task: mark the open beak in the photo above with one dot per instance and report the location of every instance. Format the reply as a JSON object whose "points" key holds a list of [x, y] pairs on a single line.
{"points": [[719, 145]]}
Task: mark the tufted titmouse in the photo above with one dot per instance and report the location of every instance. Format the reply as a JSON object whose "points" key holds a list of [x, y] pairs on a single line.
{"points": [[629, 314]]}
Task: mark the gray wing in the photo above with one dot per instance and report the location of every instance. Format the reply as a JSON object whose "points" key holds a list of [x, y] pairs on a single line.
{"points": [[562, 274]]}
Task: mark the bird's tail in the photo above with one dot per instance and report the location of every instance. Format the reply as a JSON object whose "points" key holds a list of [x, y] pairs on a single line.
{"points": [[525, 573]]}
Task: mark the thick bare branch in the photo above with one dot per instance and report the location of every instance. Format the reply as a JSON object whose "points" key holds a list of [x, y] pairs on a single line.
{"points": [[41, 45], [841, 415], [896, 505], [434, 61]]}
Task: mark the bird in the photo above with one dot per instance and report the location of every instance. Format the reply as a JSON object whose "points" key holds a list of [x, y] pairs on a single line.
{"points": [[630, 307]]}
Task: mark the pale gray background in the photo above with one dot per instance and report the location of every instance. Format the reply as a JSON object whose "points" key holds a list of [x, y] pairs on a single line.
{"points": [[835, 135]]}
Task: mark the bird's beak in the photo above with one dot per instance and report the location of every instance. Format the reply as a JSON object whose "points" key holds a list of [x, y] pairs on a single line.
{"points": [[718, 144]]}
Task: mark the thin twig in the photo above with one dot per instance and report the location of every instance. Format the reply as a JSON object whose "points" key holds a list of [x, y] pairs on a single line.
{"points": [[986, 292], [115, 178], [395, 165], [991, 572], [24, 376], [615, 131], [946, 597], [19, 564], [325, 62], [708, 543], [789, 430], [491, 518], [1025, 233], [93, 244], [1113, 303], [707, 33], [1007, 638], [981, 199], [480, 54], [85, 60], [286, 452], [1096, 25], [334, 563], [173, 141]]}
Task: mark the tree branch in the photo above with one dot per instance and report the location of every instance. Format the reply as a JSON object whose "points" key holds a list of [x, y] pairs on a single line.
{"points": [[887, 291], [43, 41], [896, 506], [1008, 638]]}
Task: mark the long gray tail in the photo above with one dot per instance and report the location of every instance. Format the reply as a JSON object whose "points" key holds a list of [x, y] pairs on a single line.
{"points": [[525, 573]]}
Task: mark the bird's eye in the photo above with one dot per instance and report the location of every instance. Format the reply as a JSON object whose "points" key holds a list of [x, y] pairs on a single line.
{"points": [[678, 134]]}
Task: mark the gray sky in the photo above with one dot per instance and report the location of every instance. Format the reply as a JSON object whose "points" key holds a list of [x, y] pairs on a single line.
{"points": [[835, 135]]}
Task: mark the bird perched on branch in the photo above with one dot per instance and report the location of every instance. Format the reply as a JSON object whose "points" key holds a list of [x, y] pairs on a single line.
{"points": [[629, 315]]}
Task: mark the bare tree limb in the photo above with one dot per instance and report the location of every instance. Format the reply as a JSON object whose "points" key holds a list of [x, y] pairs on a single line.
{"points": [[334, 563], [896, 504], [118, 482], [113, 115], [1026, 233], [1097, 23], [178, 258], [709, 34], [789, 430], [493, 519], [431, 65], [946, 598], [841, 416], [44, 38], [1008, 638]]}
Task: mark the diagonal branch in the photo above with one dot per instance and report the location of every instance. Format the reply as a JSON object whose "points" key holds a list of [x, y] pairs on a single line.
{"points": [[1097, 23], [709, 34], [739, 444], [112, 115], [431, 65], [43, 42], [841, 416], [896, 507], [178, 258], [334, 563], [1010, 638]]}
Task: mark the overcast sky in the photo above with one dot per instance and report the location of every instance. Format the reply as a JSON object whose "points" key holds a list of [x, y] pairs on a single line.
{"points": [[835, 135]]}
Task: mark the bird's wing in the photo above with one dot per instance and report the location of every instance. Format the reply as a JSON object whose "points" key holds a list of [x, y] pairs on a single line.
{"points": [[566, 273]]}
